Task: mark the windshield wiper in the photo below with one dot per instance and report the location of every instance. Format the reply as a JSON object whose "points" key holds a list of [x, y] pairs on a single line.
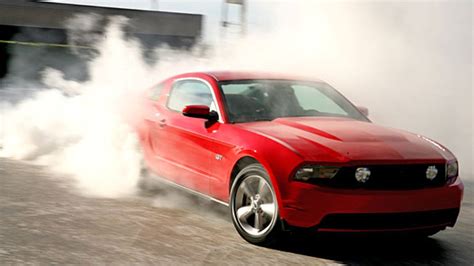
{"points": [[263, 119], [250, 120]]}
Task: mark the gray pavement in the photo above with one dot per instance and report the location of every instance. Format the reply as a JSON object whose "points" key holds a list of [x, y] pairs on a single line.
{"points": [[42, 221]]}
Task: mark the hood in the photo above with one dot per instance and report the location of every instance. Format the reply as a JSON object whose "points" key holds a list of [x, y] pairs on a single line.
{"points": [[324, 139]]}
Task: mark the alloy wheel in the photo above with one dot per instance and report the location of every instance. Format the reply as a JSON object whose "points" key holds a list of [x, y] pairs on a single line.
{"points": [[255, 205]]}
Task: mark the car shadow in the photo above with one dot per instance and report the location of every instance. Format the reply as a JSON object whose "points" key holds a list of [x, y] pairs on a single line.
{"points": [[367, 249], [351, 249]]}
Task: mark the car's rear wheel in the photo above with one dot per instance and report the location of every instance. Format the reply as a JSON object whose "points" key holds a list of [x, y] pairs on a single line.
{"points": [[254, 206]]}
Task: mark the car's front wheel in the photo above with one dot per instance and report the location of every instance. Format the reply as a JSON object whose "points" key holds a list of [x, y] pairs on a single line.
{"points": [[254, 207]]}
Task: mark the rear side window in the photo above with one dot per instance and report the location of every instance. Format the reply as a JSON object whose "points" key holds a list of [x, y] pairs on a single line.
{"points": [[189, 92], [156, 91]]}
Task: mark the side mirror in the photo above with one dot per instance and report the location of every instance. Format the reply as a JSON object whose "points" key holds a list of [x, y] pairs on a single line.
{"points": [[200, 111], [364, 110]]}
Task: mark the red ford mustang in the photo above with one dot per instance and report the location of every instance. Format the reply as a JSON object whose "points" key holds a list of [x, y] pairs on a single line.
{"points": [[288, 153]]}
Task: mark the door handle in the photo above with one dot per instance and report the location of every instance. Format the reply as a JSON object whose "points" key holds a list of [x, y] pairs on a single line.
{"points": [[162, 122]]}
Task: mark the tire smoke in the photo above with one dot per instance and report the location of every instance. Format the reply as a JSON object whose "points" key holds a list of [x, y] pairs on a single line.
{"points": [[84, 129], [409, 62]]}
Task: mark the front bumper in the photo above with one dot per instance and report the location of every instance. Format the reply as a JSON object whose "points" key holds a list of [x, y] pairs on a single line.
{"points": [[329, 209]]}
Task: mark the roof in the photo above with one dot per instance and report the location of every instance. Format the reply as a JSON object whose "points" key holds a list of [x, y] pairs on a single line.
{"points": [[249, 75]]}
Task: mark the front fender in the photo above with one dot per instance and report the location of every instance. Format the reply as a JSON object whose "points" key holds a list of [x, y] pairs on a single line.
{"points": [[279, 163]]}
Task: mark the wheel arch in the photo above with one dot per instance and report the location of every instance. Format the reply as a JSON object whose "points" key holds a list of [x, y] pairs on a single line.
{"points": [[238, 166], [247, 158]]}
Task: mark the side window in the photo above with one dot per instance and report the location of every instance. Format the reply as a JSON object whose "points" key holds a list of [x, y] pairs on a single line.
{"points": [[155, 91], [189, 92]]}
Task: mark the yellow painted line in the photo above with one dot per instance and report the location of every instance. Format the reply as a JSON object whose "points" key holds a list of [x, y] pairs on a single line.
{"points": [[45, 44]]}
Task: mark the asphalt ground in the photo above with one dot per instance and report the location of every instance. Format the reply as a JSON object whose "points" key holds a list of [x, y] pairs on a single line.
{"points": [[44, 221]]}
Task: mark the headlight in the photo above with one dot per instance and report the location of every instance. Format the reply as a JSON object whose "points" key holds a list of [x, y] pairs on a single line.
{"points": [[308, 172], [452, 169]]}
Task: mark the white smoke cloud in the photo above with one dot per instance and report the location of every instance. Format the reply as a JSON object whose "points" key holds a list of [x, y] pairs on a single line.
{"points": [[82, 129], [410, 63]]}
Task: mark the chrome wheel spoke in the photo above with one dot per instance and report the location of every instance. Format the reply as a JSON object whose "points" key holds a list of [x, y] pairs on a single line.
{"points": [[258, 224], [265, 193], [244, 212], [268, 209], [247, 189], [261, 186]]}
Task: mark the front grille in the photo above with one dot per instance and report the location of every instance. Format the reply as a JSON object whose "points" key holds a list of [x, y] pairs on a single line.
{"points": [[388, 177], [381, 221]]}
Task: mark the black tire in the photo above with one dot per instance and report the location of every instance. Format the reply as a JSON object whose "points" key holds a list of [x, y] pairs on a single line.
{"points": [[267, 229]]}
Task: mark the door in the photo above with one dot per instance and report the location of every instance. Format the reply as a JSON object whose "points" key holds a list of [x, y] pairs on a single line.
{"points": [[183, 142], [151, 135]]}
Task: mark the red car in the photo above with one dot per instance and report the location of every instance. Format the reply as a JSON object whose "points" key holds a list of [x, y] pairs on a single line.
{"points": [[286, 153]]}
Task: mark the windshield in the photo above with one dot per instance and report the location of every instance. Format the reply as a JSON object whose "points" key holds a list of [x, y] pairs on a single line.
{"points": [[265, 100]]}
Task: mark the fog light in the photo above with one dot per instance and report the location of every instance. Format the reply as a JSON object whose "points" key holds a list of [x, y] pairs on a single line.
{"points": [[431, 172], [362, 174]]}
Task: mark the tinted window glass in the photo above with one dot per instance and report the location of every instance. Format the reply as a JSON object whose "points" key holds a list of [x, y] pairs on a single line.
{"points": [[155, 91], [256, 100], [189, 92], [311, 99]]}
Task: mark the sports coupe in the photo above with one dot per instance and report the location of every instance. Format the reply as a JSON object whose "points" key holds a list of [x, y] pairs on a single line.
{"points": [[286, 153]]}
